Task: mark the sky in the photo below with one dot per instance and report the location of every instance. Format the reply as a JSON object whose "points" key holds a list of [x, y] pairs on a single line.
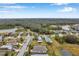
{"points": [[39, 10]]}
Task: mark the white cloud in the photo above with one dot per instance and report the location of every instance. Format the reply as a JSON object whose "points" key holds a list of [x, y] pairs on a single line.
{"points": [[13, 7], [4, 11], [67, 9], [59, 4]]}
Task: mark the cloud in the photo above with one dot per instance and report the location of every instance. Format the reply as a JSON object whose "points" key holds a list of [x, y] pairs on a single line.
{"points": [[4, 11], [7, 11], [59, 4], [13, 7], [67, 9]]}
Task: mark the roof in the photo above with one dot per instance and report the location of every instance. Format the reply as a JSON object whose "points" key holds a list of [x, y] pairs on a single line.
{"points": [[53, 26], [3, 51], [8, 46], [61, 35], [13, 42], [20, 33], [1, 38], [18, 36], [76, 27], [39, 49], [47, 39], [39, 39], [66, 27], [10, 37]]}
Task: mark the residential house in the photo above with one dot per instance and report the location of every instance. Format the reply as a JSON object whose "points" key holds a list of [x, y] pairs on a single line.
{"points": [[7, 46], [39, 39], [38, 49], [66, 27], [1, 38], [20, 33], [3, 51], [76, 27], [47, 39], [18, 37], [13, 42]]}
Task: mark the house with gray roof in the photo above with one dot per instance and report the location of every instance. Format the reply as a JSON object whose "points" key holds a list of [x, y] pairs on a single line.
{"points": [[7, 46], [47, 39], [38, 49], [39, 39], [1, 38]]}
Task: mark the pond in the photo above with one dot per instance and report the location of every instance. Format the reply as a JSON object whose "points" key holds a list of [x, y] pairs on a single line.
{"points": [[65, 52]]}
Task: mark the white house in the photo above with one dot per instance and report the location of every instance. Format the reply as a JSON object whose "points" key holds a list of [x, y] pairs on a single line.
{"points": [[8, 46], [76, 26], [66, 27], [20, 33], [19, 37], [39, 39], [47, 39], [60, 35]]}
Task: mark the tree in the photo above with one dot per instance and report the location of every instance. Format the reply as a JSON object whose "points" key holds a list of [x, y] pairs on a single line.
{"points": [[7, 53], [71, 39]]}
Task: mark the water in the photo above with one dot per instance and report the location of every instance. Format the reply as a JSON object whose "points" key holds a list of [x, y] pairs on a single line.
{"points": [[65, 52]]}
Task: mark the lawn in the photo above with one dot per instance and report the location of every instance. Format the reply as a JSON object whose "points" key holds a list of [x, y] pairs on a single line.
{"points": [[73, 48]]}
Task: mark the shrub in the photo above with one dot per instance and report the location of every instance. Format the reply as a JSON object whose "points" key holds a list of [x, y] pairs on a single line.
{"points": [[70, 39]]}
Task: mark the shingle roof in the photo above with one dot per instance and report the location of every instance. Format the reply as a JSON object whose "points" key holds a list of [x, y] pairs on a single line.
{"points": [[39, 49], [47, 39], [13, 42]]}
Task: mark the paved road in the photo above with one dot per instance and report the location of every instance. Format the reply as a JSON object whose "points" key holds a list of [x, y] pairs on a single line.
{"points": [[26, 42]]}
